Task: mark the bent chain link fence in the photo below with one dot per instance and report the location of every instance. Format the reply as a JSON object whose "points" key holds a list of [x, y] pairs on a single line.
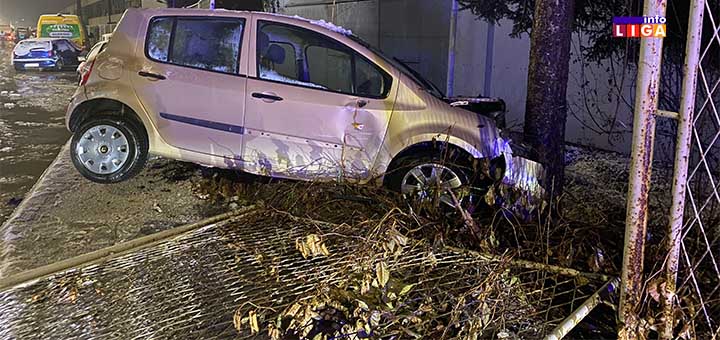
{"points": [[195, 286], [698, 279], [683, 300]]}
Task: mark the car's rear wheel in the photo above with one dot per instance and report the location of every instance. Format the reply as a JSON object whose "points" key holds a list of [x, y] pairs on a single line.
{"points": [[109, 149], [432, 183]]}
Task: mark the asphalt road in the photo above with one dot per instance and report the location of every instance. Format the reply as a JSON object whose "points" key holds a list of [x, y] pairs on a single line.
{"points": [[32, 110], [48, 211]]}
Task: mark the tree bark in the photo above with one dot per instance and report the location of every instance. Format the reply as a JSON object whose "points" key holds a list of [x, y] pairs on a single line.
{"points": [[546, 105]]}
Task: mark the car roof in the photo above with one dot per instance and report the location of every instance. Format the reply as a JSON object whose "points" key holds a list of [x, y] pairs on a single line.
{"points": [[297, 20], [44, 39]]}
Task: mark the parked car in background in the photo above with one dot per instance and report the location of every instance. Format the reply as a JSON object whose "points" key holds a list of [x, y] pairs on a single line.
{"points": [[45, 54], [277, 96]]}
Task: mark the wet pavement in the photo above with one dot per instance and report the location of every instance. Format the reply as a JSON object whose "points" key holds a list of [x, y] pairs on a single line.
{"points": [[32, 111], [64, 215]]}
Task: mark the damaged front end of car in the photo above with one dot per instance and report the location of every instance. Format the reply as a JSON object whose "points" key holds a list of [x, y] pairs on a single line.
{"points": [[519, 187]]}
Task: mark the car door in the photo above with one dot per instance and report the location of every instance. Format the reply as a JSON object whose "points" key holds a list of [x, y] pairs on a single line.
{"points": [[305, 117], [192, 82], [63, 51]]}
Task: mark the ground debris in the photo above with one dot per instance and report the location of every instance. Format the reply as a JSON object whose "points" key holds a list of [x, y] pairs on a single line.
{"points": [[394, 286]]}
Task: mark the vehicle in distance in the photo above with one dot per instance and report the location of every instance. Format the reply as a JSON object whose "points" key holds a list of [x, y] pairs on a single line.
{"points": [[277, 96], [6, 32], [45, 54], [22, 33], [62, 26]]}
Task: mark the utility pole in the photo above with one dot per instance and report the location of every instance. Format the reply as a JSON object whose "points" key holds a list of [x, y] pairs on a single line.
{"points": [[109, 10], [79, 13]]}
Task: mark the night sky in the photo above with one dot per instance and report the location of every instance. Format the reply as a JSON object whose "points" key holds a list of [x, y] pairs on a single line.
{"points": [[13, 11]]}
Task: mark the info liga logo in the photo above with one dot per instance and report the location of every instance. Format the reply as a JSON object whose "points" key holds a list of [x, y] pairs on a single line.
{"points": [[639, 27]]}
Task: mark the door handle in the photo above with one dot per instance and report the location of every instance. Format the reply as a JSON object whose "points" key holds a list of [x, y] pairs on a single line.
{"points": [[361, 103], [269, 96], [152, 75]]}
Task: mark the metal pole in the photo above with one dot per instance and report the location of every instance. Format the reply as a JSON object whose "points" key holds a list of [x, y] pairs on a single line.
{"points": [[567, 325], [109, 9], [451, 50], [646, 104], [682, 157], [489, 54]]}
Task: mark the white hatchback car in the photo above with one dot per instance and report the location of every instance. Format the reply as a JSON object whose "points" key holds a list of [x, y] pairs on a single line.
{"points": [[277, 96]]}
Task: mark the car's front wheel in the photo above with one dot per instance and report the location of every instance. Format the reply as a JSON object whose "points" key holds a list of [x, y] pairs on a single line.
{"points": [[109, 149], [433, 183]]}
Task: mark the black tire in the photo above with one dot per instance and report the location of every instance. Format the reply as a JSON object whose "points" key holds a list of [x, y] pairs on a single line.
{"points": [[18, 68], [460, 164], [137, 148], [59, 66]]}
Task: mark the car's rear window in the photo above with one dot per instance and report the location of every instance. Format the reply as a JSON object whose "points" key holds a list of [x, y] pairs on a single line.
{"points": [[26, 46], [204, 43]]}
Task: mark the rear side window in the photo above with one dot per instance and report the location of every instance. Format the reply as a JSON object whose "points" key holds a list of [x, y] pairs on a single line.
{"points": [[205, 43]]}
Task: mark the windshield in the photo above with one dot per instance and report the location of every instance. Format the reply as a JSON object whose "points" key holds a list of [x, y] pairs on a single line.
{"points": [[404, 68]]}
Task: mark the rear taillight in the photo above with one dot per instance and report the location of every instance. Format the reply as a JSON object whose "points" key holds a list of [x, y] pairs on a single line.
{"points": [[86, 73], [51, 53]]}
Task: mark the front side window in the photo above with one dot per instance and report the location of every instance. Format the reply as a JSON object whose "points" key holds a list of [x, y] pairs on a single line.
{"points": [[210, 44], [298, 56], [370, 81], [330, 67]]}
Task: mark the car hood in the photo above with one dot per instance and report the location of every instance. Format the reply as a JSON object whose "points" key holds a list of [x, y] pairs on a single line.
{"points": [[493, 108]]}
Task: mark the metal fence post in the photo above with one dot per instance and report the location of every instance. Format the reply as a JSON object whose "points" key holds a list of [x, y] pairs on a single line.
{"points": [[646, 104], [682, 158]]}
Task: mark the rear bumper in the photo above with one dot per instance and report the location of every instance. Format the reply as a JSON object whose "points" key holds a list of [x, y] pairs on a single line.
{"points": [[35, 63]]}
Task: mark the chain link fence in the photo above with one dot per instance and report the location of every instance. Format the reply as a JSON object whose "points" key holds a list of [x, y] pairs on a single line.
{"points": [[681, 298], [207, 283], [698, 284]]}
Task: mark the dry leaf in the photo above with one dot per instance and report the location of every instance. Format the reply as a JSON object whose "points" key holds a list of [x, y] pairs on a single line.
{"points": [[406, 289], [383, 275], [254, 327], [237, 320], [311, 246]]}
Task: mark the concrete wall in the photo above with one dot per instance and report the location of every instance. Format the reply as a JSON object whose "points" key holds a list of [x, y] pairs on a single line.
{"points": [[359, 16], [416, 32]]}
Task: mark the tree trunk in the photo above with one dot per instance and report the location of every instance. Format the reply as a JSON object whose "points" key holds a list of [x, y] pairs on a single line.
{"points": [[546, 105]]}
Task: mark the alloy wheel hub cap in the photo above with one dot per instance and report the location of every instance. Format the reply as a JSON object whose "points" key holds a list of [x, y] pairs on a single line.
{"points": [[103, 149], [427, 181]]}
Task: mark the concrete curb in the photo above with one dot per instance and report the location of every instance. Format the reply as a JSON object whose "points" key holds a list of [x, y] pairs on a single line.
{"points": [[29, 276], [6, 228]]}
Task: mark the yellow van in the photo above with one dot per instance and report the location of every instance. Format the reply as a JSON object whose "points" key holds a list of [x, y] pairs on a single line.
{"points": [[61, 26]]}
